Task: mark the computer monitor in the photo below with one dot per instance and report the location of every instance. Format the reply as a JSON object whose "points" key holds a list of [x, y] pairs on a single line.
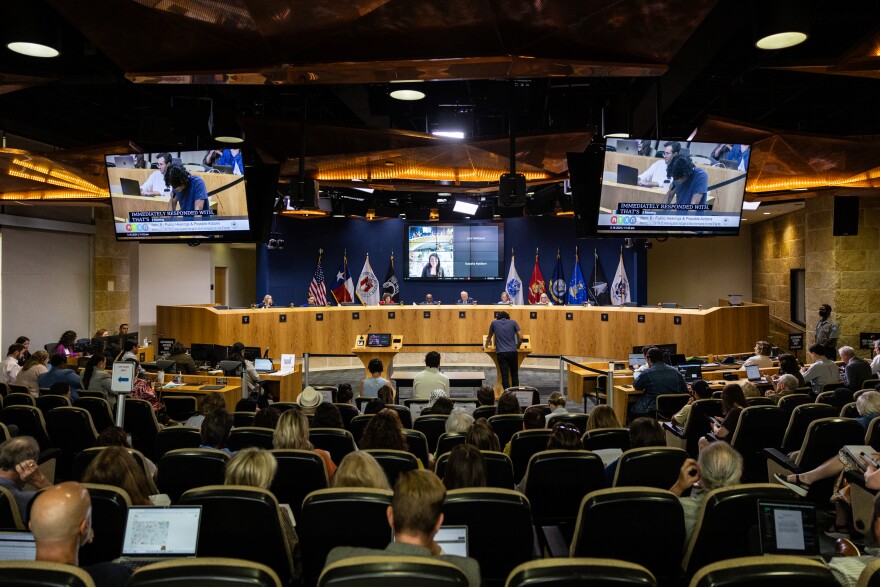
{"points": [[691, 373], [201, 353], [252, 352], [219, 353]]}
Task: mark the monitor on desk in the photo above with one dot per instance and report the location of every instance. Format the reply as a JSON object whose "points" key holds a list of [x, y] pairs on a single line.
{"points": [[252, 352], [201, 353], [378, 340], [691, 373]]}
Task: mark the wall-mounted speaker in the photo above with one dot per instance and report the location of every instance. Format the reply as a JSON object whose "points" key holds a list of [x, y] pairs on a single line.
{"points": [[846, 216]]}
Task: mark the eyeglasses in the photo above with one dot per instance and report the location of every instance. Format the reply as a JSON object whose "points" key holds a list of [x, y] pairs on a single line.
{"points": [[567, 427]]}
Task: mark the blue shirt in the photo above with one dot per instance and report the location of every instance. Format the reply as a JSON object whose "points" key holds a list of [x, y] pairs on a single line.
{"points": [[227, 158], [658, 379], [59, 374], [698, 183], [195, 191], [504, 331], [372, 386]]}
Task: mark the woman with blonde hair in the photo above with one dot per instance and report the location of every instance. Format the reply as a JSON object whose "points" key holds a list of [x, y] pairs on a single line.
{"points": [[293, 432], [30, 373], [602, 416], [115, 466], [254, 467], [360, 469]]}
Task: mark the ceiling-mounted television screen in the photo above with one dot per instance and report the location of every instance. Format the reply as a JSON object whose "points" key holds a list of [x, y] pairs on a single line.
{"points": [[454, 252], [181, 195], [656, 188]]}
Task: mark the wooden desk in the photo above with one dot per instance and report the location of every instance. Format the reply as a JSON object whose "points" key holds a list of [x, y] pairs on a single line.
{"points": [[192, 383], [284, 387]]}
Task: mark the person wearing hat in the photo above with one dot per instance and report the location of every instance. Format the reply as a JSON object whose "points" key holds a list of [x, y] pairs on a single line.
{"points": [[309, 400], [699, 389]]}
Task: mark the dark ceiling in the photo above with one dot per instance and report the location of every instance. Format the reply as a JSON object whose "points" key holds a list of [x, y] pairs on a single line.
{"points": [[147, 71]]}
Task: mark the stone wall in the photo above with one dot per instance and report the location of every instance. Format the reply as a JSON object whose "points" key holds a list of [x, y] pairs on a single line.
{"points": [[112, 292]]}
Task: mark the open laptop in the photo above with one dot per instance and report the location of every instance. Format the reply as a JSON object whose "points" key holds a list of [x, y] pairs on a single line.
{"points": [[627, 175], [453, 540], [629, 147], [753, 374], [263, 365], [17, 546], [691, 373], [729, 163], [788, 527], [124, 161], [524, 398], [153, 534], [636, 360], [130, 187]]}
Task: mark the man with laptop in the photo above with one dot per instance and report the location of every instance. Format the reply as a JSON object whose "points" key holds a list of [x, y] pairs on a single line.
{"points": [[657, 379], [61, 522], [415, 515]]}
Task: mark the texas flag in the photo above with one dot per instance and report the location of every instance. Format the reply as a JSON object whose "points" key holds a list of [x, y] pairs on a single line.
{"points": [[343, 287]]}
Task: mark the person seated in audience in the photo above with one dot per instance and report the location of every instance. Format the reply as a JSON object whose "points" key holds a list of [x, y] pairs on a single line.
{"points": [[435, 395], [565, 436], [788, 365], [761, 358], [855, 371], [374, 406], [556, 401], [466, 467], [115, 466], [718, 465], [29, 376], [59, 388], [386, 394], [185, 363], [459, 422], [370, 386], [868, 407], [642, 432], [733, 402], [385, 431], [657, 379], [65, 345], [267, 417], [344, 394], [847, 569], [699, 389], [482, 436], [602, 416], [215, 430], [256, 467], [430, 378], [823, 370], [360, 469], [441, 406], [508, 404], [95, 378], [18, 468], [10, 363], [129, 353], [750, 390], [26, 343], [117, 436], [293, 432], [785, 385], [875, 362], [61, 522], [533, 419], [212, 401], [327, 416], [252, 377], [59, 373], [415, 515], [309, 400], [485, 396]]}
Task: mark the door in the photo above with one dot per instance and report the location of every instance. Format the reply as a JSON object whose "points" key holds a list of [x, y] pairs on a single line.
{"points": [[220, 285]]}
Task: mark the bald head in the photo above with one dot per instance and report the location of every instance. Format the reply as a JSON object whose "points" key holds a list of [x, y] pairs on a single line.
{"points": [[62, 513]]}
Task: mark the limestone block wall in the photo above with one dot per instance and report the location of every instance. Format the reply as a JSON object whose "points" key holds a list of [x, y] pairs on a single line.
{"points": [[112, 277]]}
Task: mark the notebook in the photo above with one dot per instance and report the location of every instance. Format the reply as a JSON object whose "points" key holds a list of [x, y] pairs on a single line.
{"points": [[453, 540], [17, 546], [263, 365], [159, 533], [788, 527]]}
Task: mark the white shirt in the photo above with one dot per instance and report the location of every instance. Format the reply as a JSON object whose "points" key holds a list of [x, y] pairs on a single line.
{"points": [[875, 365], [656, 173], [10, 369], [156, 183], [762, 361]]}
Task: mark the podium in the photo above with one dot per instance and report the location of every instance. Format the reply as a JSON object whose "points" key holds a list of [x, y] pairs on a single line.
{"points": [[385, 354], [524, 350]]}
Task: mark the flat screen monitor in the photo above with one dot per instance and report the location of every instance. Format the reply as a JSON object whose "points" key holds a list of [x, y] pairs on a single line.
{"points": [[378, 340], [691, 373], [202, 353], [252, 352], [666, 348], [696, 192], [454, 252], [214, 205]]}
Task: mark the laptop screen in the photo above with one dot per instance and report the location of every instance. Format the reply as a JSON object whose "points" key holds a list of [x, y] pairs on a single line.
{"points": [[263, 365], [17, 546], [788, 527], [162, 531], [524, 398], [453, 540], [378, 340], [636, 360], [691, 372], [326, 395], [753, 373]]}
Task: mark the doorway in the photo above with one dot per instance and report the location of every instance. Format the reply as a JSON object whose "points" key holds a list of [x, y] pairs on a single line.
{"points": [[220, 286]]}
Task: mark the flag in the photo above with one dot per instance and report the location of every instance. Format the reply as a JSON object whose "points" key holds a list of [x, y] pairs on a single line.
{"points": [[317, 287], [577, 293], [368, 289], [391, 286], [514, 284], [598, 290], [343, 288], [558, 288], [536, 285], [620, 285]]}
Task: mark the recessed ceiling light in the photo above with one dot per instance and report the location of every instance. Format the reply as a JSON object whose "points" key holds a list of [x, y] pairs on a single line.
{"points": [[450, 134], [781, 40], [407, 95], [32, 49], [229, 140], [617, 135], [766, 213]]}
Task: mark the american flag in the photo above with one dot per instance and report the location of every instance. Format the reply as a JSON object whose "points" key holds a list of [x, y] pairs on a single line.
{"points": [[316, 287]]}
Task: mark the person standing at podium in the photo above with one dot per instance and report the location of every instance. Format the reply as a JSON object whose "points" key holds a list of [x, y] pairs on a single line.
{"points": [[505, 332]]}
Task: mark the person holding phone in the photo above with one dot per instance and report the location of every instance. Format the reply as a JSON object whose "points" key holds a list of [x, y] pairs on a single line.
{"points": [[733, 402]]}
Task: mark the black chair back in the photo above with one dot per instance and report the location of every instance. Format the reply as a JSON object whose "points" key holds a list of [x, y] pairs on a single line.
{"points": [[652, 466], [99, 409], [299, 473], [578, 420], [250, 436], [557, 480], [51, 401], [141, 423], [523, 445], [698, 424], [801, 418], [792, 400], [357, 426], [43, 574], [768, 570], [394, 462], [175, 437], [109, 512], [241, 419], [448, 440], [418, 445], [759, 427], [19, 399], [505, 426], [484, 412], [398, 571], [183, 469], [600, 438], [433, 426], [669, 404], [404, 413], [72, 431], [180, 407], [348, 412], [335, 441], [29, 421], [576, 572]]}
